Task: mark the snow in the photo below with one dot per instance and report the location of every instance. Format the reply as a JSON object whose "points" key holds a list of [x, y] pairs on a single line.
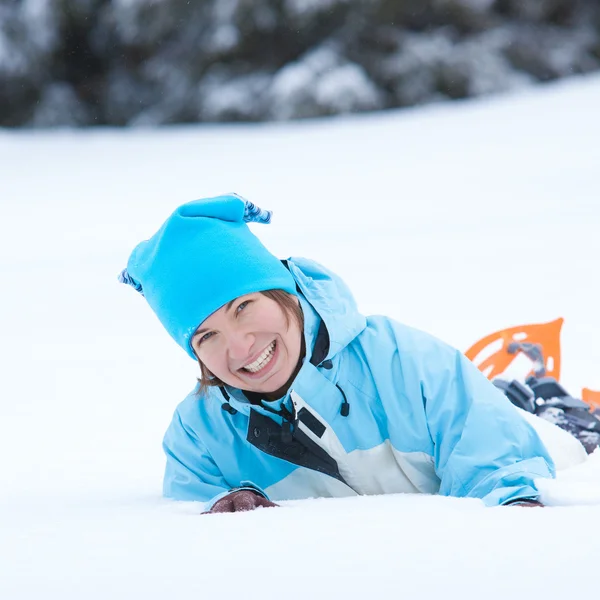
{"points": [[346, 88], [321, 77], [303, 7], [460, 219]]}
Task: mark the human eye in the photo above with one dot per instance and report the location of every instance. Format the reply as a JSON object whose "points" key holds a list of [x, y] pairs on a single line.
{"points": [[204, 337], [242, 306]]}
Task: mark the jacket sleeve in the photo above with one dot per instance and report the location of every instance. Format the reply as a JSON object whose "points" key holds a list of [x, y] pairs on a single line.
{"points": [[191, 473], [483, 448]]}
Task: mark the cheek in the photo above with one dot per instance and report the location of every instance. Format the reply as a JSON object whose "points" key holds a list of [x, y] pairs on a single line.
{"points": [[212, 359], [281, 323], [266, 321], [292, 337]]}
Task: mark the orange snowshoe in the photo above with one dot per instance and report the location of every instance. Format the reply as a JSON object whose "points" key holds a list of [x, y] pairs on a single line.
{"points": [[541, 394]]}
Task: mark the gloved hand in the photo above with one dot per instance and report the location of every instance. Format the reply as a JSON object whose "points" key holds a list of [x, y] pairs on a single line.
{"points": [[240, 501], [525, 502]]}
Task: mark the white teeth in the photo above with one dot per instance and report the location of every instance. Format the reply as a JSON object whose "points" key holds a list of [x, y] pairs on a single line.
{"points": [[262, 361]]}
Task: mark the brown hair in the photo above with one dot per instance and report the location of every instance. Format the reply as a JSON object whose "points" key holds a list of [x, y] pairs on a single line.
{"points": [[291, 309]]}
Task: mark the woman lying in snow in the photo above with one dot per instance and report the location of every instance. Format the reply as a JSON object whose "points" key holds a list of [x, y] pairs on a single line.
{"points": [[301, 396]]}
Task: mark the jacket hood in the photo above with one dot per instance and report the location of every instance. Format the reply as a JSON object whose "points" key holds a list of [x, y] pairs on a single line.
{"points": [[331, 300]]}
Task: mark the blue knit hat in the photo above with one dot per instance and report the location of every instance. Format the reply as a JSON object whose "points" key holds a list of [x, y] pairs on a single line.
{"points": [[203, 256]]}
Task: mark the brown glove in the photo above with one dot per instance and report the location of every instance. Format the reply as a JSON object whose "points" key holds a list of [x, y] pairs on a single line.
{"points": [[239, 501]]}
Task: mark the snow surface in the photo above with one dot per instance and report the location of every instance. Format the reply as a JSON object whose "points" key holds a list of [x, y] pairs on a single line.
{"points": [[460, 219]]}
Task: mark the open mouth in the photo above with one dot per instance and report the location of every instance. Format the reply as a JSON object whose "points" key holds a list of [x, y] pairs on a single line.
{"points": [[262, 361]]}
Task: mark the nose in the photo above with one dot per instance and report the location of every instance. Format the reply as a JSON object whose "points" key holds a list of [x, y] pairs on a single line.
{"points": [[239, 346]]}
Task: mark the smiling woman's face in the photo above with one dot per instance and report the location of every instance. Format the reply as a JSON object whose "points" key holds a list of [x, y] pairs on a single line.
{"points": [[250, 343]]}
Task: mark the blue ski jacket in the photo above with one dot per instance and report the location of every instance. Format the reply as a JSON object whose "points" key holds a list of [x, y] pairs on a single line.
{"points": [[376, 408]]}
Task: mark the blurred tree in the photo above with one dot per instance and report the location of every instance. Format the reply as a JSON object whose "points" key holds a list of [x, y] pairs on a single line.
{"points": [[153, 62]]}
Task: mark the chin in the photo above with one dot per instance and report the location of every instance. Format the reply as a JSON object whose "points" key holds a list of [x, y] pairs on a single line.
{"points": [[272, 385]]}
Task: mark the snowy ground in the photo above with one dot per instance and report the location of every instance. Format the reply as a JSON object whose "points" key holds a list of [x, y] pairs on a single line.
{"points": [[460, 219]]}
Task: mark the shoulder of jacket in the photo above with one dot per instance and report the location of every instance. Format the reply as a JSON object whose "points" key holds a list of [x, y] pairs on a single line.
{"points": [[195, 406], [412, 343]]}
